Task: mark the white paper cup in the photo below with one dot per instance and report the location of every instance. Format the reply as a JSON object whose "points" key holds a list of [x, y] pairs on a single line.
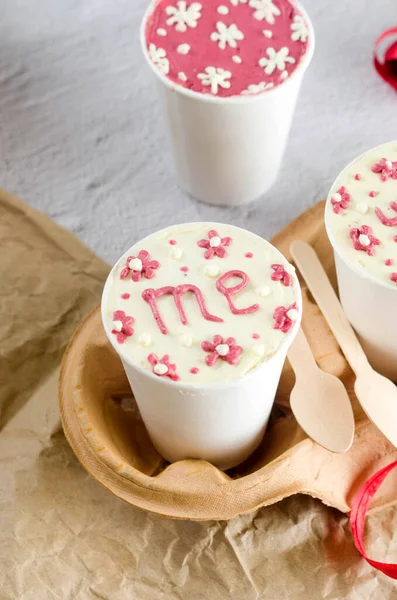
{"points": [[369, 305], [228, 151], [222, 423]]}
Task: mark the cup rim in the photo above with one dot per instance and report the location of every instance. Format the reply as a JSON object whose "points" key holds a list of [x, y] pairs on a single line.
{"points": [[335, 246], [287, 341], [229, 100]]}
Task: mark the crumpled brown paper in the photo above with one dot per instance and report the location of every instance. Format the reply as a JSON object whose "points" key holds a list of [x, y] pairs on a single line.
{"points": [[63, 536]]}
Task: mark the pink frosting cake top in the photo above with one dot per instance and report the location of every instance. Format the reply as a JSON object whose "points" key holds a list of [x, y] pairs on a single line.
{"points": [[227, 47]]}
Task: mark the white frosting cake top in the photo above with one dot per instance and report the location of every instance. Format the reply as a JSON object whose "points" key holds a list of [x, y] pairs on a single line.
{"points": [[361, 213], [200, 302]]}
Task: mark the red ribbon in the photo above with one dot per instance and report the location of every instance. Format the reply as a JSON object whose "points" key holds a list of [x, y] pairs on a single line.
{"points": [[358, 514], [387, 68]]}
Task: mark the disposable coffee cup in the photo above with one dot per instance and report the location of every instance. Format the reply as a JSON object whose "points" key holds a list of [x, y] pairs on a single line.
{"points": [[364, 196], [202, 330], [228, 148]]}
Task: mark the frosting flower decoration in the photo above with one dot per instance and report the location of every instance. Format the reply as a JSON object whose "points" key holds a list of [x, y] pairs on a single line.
{"points": [[340, 200], [224, 349], [215, 246], [226, 35], [265, 10], [386, 169], [162, 367], [183, 16], [276, 60], [139, 266], [159, 58], [300, 31], [284, 318], [386, 220], [364, 240], [122, 326], [393, 277], [216, 78], [257, 88], [280, 274]]}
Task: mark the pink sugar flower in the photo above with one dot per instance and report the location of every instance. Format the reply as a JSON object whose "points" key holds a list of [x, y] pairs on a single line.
{"points": [[122, 326], [389, 222], [224, 349], [215, 246], [139, 266], [364, 240], [162, 367], [386, 168], [280, 274], [284, 317], [340, 200], [393, 277]]}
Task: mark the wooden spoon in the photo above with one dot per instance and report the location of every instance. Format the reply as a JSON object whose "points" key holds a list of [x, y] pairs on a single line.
{"points": [[376, 394], [319, 401]]}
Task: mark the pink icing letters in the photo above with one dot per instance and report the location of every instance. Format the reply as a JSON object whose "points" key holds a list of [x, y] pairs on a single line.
{"points": [[150, 296], [389, 222], [229, 292]]}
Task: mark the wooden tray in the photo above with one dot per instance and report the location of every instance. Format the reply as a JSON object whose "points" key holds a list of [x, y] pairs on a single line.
{"points": [[104, 428]]}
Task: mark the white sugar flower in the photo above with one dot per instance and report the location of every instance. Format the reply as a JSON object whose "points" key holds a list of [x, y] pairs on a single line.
{"points": [[276, 60], [265, 10], [159, 58], [299, 29], [257, 89], [215, 78], [226, 35], [237, 2], [183, 16]]}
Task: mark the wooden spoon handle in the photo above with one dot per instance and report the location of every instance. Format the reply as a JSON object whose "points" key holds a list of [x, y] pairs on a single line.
{"points": [[300, 355], [328, 302]]}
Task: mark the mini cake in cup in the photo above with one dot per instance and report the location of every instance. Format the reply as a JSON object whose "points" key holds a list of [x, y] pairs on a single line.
{"points": [[229, 73], [361, 222], [202, 316]]}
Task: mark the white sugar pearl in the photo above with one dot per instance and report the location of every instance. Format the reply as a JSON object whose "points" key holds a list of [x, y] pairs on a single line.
{"points": [[117, 325], [267, 33], [362, 208], [259, 350], [161, 32], [186, 340], [237, 59], [215, 241], [292, 314], [337, 197], [176, 253], [145, 339], [389, 164], [223, 10], [183, 49], [135, 264], [364, 239], [222, 349], [160, 369], [182, 76], [284, 75], [211, 270], [264, 291]]}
